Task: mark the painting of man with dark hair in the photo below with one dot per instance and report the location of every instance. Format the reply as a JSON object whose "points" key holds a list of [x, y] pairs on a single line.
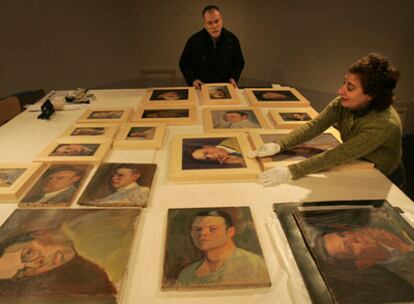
{"points": [[275, 95], [364, 255], [212, 153], [213, 248]]}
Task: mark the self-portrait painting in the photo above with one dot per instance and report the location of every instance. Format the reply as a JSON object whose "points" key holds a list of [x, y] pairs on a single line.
{"points": [[119, 185], [169, 96], [169, 115], [282, 96], [211, 157], [195, 235], [212, 153], [9, 176], [105, 115], [65, 255], [289, 118], [233, 119], [90, 131], [76, 150], [219, 94], [57, 186], [365, 254], [319, 144], [140, 135], [15, 178]]}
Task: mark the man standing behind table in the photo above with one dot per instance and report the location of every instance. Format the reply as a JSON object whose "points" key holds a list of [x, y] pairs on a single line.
{"points": [[213, 54]]}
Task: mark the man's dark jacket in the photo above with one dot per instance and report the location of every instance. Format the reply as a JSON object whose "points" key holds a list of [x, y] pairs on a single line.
{"points": [[212, 62]]}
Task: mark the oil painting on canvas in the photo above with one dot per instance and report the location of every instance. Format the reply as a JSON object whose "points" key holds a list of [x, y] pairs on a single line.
{"points": [[88, 131], [65, 255], [119, 184], [169, 94], [309, 148], [140, 133], [165, 113], [218, 92], [211, 153], [79, 149], [364, 255], [295, 116], [57, 186], [275, 95], [234, 119], [9, 176], [106, 115], [213, 248]]}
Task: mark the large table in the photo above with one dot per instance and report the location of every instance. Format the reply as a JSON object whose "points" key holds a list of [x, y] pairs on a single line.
{"points": [[24, 137]]}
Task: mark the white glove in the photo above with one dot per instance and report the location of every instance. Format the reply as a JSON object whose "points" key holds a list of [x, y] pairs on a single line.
{"points": [[268, 149], [275, 176]]}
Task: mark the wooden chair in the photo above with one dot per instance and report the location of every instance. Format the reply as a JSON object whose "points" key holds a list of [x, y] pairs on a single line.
{"points": [[9, 108]]}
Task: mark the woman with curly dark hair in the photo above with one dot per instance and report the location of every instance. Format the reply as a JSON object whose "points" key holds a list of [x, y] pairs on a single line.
{"points": [[370, 128]]}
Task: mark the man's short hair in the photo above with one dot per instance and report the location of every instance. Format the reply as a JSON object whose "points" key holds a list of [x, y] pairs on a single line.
{"points": [[133, 168], [210, 8], [217, 213], [237, 112]]}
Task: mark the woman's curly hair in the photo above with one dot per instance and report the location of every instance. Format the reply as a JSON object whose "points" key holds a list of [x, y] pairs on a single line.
{"points": [[378, 79]]}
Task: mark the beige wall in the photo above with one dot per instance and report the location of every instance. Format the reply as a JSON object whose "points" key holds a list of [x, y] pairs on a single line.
{"points": [[308, 44]]}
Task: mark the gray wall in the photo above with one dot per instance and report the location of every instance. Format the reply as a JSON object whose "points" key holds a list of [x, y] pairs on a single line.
{"points": [[93, 43]]}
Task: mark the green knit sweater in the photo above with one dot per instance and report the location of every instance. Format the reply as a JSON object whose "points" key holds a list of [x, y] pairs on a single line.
{"points": [[370, 135]]}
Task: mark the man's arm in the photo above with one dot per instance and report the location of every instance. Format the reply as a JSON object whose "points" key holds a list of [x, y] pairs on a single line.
{"points": [[237, 64], [186, 63]]}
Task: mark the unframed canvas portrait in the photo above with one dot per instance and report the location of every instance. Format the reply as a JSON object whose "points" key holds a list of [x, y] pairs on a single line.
{"points": [[119, 184], [194, 235], [364, 255], [65, 256], [57, 186], [212, 153]]}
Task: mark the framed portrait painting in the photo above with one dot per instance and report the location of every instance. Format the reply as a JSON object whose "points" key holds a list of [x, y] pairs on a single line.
{"points": [[71, 255], [105, 115], [119, 185], [91, 131], [76, 151], [169, 96], [289, 118], [140, 136], [230, 233], [321, 143], [15, 178], [219, 94], [233, 119], [57, 186], [211, 158], [276, 97], [169, 116], [351, 251]]}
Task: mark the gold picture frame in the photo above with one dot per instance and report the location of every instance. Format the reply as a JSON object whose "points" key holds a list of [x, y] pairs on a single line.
{"points": [[289, 118], [90, 131], [219, 94], [167, 115], [140, 136], [326, 141], [169, 96], [186, 165], [105, 115], [234, 119], [15, 178], [70, 150], [276, 97], [57, 186]]}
